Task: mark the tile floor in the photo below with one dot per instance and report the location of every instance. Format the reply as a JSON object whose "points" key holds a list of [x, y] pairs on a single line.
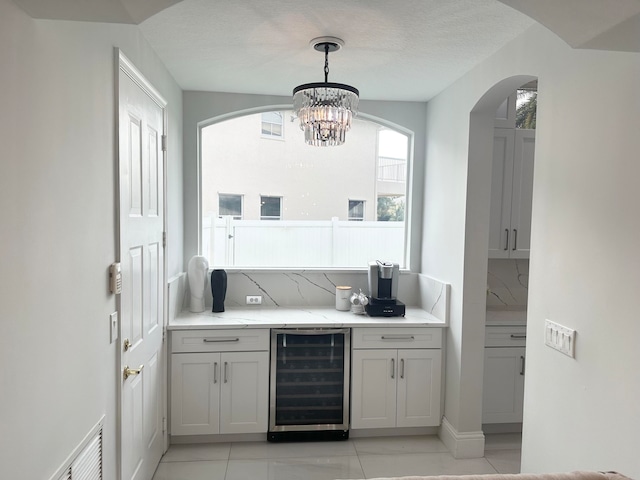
{"points": [[354, 458]]}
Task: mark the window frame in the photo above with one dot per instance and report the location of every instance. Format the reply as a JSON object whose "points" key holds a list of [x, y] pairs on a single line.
{"points": [[271, 217], [363, 204], [235, 217], [271, 135], [412, 229]]}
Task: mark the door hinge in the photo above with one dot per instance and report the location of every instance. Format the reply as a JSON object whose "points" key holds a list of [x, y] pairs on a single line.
{"points": [[164, 239], [164, 424], [164, 143]]}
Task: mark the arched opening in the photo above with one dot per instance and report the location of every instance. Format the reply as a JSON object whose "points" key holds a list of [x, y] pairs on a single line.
{"points": [[482, 122]]}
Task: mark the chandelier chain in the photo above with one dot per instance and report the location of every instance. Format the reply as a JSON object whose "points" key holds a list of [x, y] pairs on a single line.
{"points": [[326, 62]]}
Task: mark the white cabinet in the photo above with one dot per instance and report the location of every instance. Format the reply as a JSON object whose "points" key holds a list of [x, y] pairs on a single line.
{"points": [[398, 385], [511, 193], [504, 370], [216, 385]]}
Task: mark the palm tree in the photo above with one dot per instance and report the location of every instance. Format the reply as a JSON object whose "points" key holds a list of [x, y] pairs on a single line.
{"points": [[526, 112]]}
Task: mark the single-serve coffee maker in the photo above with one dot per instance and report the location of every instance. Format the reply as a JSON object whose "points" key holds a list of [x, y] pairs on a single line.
{"points": [[383, 290]]}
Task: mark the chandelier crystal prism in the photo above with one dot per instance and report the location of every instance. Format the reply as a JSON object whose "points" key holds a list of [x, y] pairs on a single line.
{"points": [[325, 109]]}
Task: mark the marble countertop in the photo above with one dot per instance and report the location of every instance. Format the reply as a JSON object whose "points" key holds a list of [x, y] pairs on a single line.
{"points": [[503, 317], [298, 317]]}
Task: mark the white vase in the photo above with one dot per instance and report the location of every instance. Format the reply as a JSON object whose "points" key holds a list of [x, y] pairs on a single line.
{"points": [[197, 272]]}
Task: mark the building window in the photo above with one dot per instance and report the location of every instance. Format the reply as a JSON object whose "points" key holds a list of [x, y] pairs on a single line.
{"points": [[356, 210], [270, 208], [230, 206], [272, 124]]}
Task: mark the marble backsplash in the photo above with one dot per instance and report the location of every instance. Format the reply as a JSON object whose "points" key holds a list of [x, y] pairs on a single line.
{"points": [[305, 288], [507, 283]]}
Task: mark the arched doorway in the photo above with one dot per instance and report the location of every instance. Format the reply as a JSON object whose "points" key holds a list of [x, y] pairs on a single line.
{"points": [[479, 183]]}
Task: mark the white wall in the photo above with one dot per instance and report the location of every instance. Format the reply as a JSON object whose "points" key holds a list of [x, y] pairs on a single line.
{"points": [[200, 107], [57, 236], [579, 413]]}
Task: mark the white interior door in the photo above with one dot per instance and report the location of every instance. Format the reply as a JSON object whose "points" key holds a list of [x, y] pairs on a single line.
{"points": [[141, 251]]}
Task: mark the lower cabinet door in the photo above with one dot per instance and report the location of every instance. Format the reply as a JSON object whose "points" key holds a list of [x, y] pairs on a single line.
{"points": [[373, 388], [418, 397], [503, 390], [195, 393], [244, 399]]}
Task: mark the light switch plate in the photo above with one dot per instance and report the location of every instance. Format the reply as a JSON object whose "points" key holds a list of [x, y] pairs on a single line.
{"points": [[113, 326], [560, 338]]}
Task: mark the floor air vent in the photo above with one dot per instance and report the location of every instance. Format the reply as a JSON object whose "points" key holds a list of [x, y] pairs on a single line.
{"points": [[85, 463]]}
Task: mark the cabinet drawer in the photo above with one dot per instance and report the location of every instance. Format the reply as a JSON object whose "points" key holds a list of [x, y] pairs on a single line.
{"points": [[507, 336], [396, 338], [250, 339]]}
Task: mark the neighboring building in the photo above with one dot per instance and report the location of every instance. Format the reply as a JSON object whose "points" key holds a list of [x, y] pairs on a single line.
{"points": [[257, 167]]}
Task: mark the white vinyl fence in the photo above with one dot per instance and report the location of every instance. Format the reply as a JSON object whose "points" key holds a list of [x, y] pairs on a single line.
{"points": [[278, 243]]}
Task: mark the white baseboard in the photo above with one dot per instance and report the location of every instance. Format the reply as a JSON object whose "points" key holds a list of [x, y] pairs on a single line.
{"points": [[461, 444], [392, 432]]}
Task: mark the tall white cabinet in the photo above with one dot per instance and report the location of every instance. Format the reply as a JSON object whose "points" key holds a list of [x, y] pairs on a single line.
{"points": [[511, 193], [219, 381], [396, 377]]}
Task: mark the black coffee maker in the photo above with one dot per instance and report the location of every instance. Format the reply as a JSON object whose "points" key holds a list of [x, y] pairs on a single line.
{"points": [[383, 290]]}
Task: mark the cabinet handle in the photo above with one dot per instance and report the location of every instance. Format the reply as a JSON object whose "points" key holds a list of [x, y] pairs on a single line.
{"points": [[521, 364], [515, 239], [506, 243], [402, 368], [523, 335], [393, 368], [397, 337], [215, 372], [220, 340], [225, 372]]}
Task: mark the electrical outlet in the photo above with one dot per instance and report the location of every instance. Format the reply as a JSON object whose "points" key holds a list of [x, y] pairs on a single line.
{"points": [[254, 299], [560, 338], [113, 326]]}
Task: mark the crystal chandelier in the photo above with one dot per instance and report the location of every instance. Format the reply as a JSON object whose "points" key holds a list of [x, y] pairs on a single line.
{"points": [[325, 109]]}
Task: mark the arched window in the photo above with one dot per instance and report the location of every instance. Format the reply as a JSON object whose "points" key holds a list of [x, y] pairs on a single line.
{"points": [[314, 194]]}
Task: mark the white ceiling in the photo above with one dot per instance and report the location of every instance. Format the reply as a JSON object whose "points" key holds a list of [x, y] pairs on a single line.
{"points": [[394, 49]]}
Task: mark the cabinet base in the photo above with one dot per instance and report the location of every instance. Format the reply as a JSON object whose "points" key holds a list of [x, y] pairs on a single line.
{"points": [[310, 436]]}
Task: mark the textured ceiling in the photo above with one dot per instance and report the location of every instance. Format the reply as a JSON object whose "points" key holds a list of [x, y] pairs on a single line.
{"points": [[394, 50]]}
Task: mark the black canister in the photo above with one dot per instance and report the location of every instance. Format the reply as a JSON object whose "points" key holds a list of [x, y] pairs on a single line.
{"points": [[218, 289]]}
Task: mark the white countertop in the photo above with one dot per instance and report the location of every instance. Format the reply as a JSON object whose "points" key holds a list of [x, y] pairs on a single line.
{"points": [[298, 317], [505, 317]]}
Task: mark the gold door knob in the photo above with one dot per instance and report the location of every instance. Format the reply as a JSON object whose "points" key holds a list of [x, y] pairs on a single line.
{"points": [[132, 371]]}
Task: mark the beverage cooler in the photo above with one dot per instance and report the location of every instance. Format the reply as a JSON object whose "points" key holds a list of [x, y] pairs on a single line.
{"points": [[309, 385]]}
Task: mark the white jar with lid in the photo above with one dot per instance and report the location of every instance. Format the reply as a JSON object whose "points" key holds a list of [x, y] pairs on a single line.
{"points": [[343, 298]]}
